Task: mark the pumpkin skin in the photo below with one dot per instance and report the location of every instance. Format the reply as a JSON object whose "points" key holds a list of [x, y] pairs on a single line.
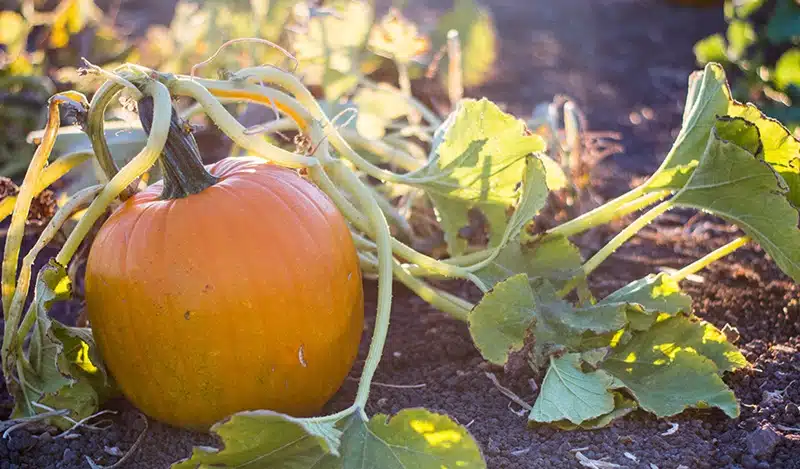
{"points": [[244, 296]]}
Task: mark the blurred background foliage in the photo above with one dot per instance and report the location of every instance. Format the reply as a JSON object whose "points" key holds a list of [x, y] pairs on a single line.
{"points": [[761, 53]]}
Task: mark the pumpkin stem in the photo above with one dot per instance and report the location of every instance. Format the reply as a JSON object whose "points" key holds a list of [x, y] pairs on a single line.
{"points": [[184, 173]]}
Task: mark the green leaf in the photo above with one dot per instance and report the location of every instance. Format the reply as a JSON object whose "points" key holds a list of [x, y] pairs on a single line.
{"points": [[711, 49], [654, 294], [500, 322], [556, 178], [708, 98], [787, 69], [657, 293], [674, 366], [737, 185], [780, 148], [784, 24], [740, 36], [552, 257], [481, 156], [266, 439], [568, 393], [411, 439], [478, 40], [65, 370]]}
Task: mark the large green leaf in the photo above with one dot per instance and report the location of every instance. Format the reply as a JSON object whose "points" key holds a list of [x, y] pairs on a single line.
{"points": [[568, 393], [739, 186], [676, 365], [481, 156], [411, 439], [708, 98], [478, 40], [551, 257], [269, 440]]}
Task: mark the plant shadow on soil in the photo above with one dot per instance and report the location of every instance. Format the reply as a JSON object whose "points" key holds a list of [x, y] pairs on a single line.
{"points": [[616, 73]]}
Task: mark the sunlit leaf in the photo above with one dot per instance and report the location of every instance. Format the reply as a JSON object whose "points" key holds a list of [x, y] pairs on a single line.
{"points": [[478, 40], [780, 148], [676, 365], [65, 370], [737, 185], [480, 162], [568, 393], [411, 439], [654, 294], [708, 98]]}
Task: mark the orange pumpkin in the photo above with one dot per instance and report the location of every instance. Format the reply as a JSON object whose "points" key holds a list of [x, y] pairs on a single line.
{"points": [[244, 295]]}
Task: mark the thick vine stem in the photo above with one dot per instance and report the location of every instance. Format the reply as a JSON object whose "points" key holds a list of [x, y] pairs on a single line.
{"points": [[95, 127], [304, 96], [231, 127], [77, 202], [385, 262], [22, 205], [442, 300], [625, 204], [712, 256], [142, 162]]}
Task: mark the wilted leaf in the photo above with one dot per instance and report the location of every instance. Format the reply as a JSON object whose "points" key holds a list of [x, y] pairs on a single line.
{"points": [[570, 394], [480, 161], [265, 439]]}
